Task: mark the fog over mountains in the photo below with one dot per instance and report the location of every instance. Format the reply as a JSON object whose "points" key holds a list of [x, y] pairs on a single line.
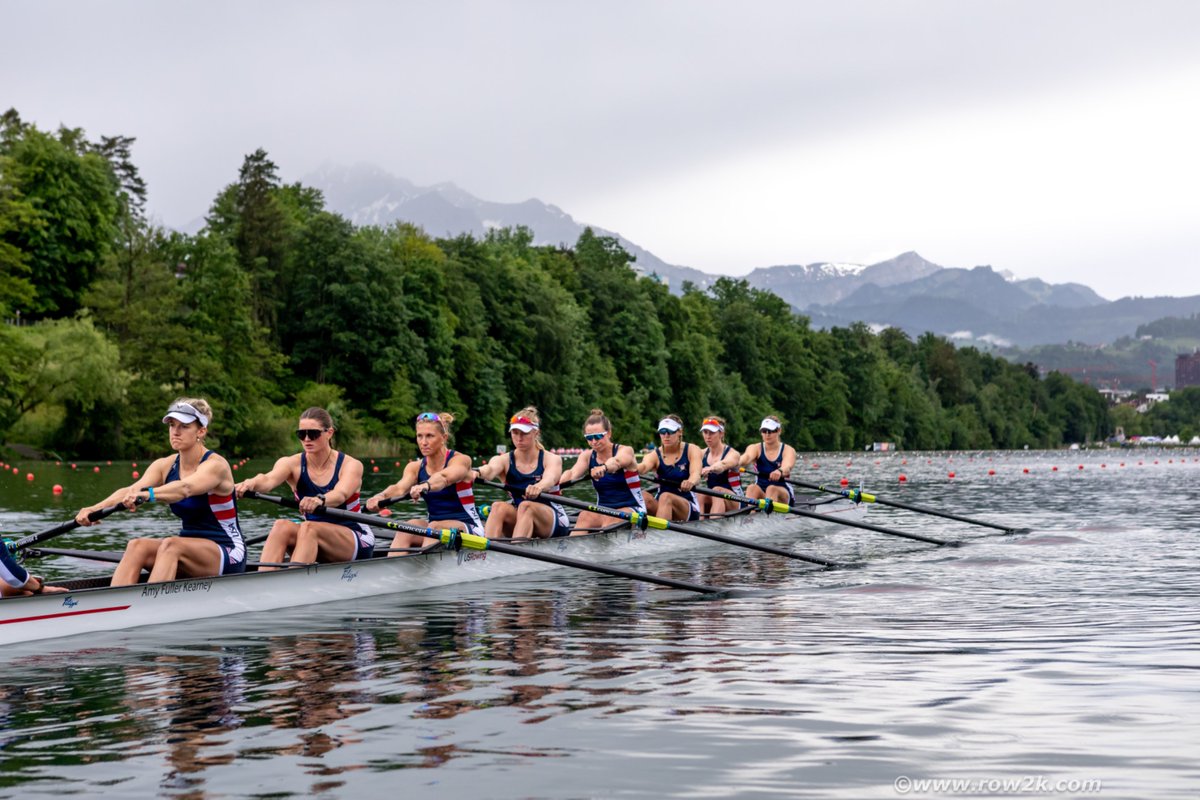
{"points": [[978, 305]]}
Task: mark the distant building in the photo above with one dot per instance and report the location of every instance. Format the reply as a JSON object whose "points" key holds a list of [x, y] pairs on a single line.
{"points": [[1187, 370]]}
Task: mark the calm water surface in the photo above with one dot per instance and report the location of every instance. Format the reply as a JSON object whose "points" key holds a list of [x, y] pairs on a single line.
{"points": [[1063, 662]]}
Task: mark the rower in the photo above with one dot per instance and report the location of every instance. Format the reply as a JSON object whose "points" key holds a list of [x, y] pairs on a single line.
{"points": [[614, 473], [677, 464], [320, 478], [531, 468], [198, 484], [772, 469], [442, 477], [719, 467], [16, 581]]}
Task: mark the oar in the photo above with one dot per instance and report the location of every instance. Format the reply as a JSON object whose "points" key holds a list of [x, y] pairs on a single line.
{"points": [[863, 497], [456, 538], [774, 505], [644, 521], [50, 533]]}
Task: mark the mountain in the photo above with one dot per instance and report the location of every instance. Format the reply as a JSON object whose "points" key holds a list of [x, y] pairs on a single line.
{"points": [[368, 195], [978, 305]]}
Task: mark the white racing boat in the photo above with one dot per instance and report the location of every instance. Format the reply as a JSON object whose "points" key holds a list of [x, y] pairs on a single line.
{"points": [[91, 605]]}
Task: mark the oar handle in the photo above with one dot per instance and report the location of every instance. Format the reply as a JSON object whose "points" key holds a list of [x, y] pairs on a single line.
{"points": [[50, 533]]}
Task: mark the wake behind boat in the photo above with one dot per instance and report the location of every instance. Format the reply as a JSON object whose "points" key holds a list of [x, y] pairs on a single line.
{"points": [[91, 605]]}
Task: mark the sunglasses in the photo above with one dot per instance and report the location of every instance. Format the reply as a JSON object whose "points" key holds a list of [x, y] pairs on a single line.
{"points": [[768, 430], [428, 416], [595, 437], [666, 431], [310, 433]]}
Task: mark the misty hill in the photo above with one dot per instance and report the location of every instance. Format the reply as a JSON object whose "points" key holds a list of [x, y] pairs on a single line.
{"points": [[978, 305]]}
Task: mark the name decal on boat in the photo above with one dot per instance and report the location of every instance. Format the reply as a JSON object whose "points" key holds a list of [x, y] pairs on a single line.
{"points": [[70, 602], [636, 534], [349, 574], [181, 587]]}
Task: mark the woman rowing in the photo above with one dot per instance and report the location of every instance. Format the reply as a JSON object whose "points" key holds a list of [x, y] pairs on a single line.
{"points": [[719, 467], [773, 461], [320, 478], [441, 477], [537, 472], [676, 465], [198, 485], [614, 473]]}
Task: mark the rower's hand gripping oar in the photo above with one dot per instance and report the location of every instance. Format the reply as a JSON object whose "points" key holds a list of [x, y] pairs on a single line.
{"points": [[859, 496], [643, 521], [453, 538], [784, 508], [50, 533]]}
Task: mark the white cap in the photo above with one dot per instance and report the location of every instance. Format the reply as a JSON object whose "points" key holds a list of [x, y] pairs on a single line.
{"points": [[522, 424], [666, 423], [186, 413], [770, 424]]}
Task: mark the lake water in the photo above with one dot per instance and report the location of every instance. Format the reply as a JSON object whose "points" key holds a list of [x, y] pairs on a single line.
{"points": [[1061, 662]]}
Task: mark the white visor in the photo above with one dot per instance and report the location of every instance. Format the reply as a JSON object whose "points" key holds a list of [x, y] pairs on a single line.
{"points": [[711, 427], [666, 423], [770, 425], [186, 413], [522, 427]]}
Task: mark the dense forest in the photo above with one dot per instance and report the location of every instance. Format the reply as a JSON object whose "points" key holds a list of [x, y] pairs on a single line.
{"points": [[278, 304]]}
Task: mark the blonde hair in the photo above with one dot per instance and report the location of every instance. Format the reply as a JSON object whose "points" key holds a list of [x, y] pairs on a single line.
{"points": [[531, 413], [596, 417], [444, 419], [198, 403]]}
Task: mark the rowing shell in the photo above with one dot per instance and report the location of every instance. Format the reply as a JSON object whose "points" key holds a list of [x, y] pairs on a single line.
{"points": [[92, 606]]}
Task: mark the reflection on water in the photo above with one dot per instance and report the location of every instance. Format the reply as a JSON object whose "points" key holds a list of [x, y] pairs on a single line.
{"points": [[1066, 654]]}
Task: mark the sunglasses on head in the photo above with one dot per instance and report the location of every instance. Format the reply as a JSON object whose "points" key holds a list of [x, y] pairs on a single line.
{"points": [[594, 437], [309, 433], [428, 416]]}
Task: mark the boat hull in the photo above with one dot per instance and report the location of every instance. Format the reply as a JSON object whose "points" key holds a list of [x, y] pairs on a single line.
{"points": [[87, 611]]}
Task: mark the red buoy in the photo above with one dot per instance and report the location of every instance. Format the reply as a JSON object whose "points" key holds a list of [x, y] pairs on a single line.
{"points": [[96, 469], [375, 469], [951, 474], [28, 476], [903, 477], [386, 512], [57, 488], [991, 472], [844, 482], [136, 474]]}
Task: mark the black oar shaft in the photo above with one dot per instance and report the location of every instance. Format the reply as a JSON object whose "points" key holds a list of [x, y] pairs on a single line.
{"points": [[826, 517], [474, 542], [871, 498], [71, 525], [662, 524]]}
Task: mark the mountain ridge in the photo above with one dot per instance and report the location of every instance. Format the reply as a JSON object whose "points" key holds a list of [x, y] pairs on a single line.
{"points": [[978, 305]]}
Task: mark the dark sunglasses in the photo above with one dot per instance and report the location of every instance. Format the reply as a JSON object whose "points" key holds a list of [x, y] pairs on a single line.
{"points": [[309, 433], [665, 432], [594, 437], [767, 430]]}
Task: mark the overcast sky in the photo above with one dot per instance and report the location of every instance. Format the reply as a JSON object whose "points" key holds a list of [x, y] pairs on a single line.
{"points": [[1053, 139]]}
